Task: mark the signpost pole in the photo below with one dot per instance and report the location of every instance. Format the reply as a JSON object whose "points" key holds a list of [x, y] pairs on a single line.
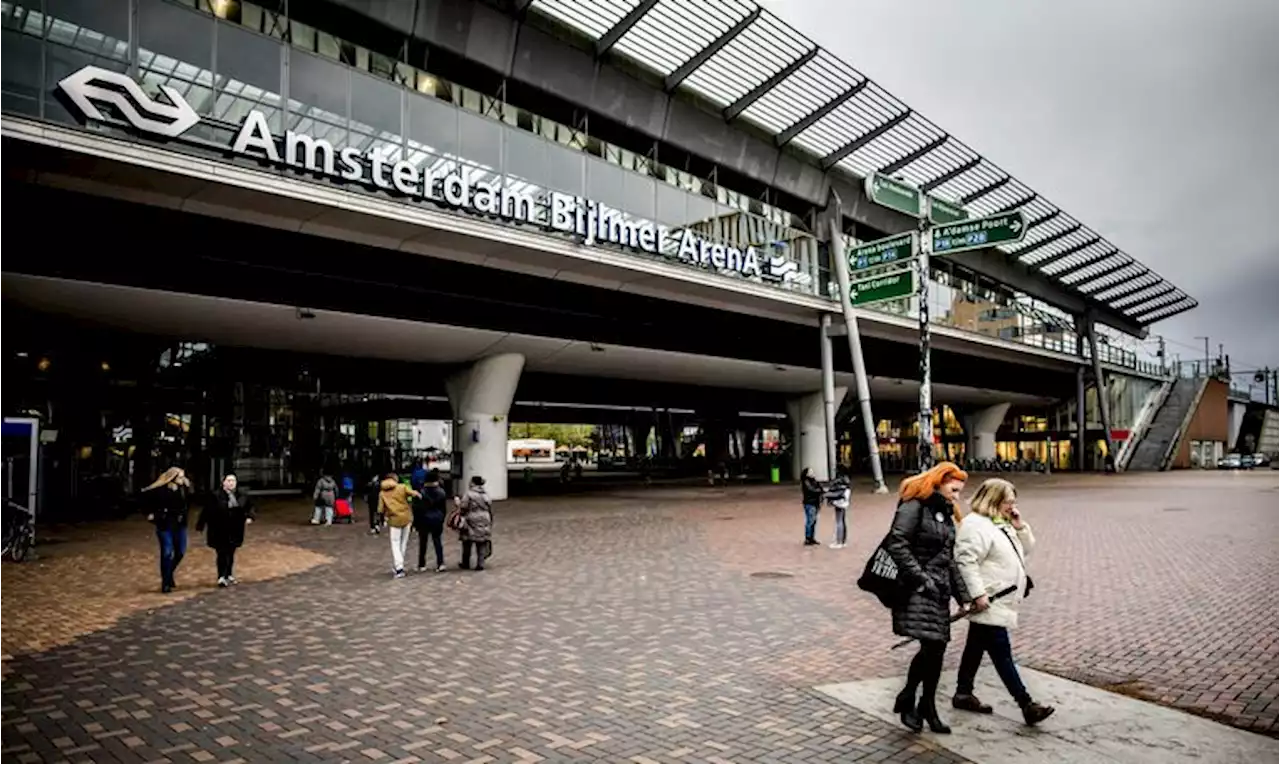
{"points": [[924, 445], [840, 264]]}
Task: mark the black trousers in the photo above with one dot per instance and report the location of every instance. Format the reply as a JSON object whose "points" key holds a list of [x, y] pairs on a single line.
{"points": [[372, 500], [226, 560], [925, 671], [483, 550], [436, 531]]}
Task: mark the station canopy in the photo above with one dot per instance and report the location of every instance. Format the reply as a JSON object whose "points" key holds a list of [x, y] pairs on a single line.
{"points": [[757, 68]]}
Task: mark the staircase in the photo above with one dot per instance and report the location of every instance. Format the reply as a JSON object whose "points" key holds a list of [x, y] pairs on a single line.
{"points": [[1161, 438]]}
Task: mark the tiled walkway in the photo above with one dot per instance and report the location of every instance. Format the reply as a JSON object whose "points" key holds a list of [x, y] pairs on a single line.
{"points": [[629, 626]]}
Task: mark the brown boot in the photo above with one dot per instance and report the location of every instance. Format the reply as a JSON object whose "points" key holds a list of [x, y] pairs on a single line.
{"points": [[1034, 713], [970, 703]]}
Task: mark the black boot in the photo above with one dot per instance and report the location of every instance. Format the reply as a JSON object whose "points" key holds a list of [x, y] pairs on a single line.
{"points": [[1033, 713], [928, 712], [905, 707]]}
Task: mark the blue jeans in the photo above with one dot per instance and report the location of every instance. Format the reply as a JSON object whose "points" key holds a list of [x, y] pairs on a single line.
{"points": [[810, 521], [173, 546], [994, 641]]}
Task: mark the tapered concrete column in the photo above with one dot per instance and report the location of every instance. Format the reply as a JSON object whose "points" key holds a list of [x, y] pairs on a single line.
{"points": [[982, 428], [481, 399], [809, 443]]}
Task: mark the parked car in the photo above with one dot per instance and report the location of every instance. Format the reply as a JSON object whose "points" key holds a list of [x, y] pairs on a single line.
{"points": [[1262, 460], [1230, 462], [1247, 461]]}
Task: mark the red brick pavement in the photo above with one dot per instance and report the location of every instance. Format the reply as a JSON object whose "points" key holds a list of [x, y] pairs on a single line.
{"points": [[627, 627]]}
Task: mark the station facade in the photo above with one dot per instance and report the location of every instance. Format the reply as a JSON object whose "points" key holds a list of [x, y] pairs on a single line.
{"points": [[492, 211]]}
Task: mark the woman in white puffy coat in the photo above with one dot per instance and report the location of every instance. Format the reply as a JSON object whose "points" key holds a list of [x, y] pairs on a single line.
{"points": [[992, 545]]}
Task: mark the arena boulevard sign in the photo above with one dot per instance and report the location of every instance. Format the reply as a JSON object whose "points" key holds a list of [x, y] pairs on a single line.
{"points": [[593, 222]]}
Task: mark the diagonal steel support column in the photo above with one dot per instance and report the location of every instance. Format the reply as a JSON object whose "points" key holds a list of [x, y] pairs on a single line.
{"points": [[841, 269]]}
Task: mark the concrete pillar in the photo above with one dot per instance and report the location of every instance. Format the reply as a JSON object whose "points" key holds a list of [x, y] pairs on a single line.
{"points": [[809, 442], [481, 399], [981, 427], [640, 438]]}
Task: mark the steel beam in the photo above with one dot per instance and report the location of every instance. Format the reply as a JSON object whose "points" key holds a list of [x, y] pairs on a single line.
{"points": [[830, 159], [1110, 270], [976, 195], [703, 56], [951, 174], [737, 107], [1081, 266], [1041, 221], [1155, 307], [1068, 252], [1133, 304], [1024, 201], [615, 33], [1128, 291], [1167, 311], [1064, 233], [788, 135], [919, 153]]}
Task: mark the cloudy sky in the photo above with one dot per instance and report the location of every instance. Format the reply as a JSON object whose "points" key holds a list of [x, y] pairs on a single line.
{"points": [[1154, 122]]}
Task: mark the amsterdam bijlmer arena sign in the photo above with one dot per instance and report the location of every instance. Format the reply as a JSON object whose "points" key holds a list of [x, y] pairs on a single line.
{"points": [[589, 220]]}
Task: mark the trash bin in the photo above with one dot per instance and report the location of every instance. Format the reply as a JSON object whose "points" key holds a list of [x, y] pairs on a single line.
{"points": [[775, 474]]}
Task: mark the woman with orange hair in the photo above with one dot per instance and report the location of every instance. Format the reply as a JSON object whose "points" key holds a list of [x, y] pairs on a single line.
{"points": [[921, 543]]}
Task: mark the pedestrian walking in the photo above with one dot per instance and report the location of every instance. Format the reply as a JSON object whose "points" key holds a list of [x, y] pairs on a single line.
{"points": [[166, 502], [428, 518], [811, 495], [325, 499], [373, 498], [418, 477], [922, 544], [992, 546], [476, 523], [223, 519], [394, 504], [838, 495]]}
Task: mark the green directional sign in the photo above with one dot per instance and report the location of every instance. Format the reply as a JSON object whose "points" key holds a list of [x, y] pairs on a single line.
{"points": [[895, 249], [945, 212], [894, 194], [977, 234], [890, 286]]}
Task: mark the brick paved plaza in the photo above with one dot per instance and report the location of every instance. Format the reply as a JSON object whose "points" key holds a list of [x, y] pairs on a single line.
{"points": [[630, 626]]}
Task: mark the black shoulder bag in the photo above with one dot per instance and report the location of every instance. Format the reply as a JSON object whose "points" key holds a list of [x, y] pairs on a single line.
{"points": [[880, 575]]}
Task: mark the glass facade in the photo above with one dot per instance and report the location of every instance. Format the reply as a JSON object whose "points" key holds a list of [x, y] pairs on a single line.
{"points": [[228, 59]]}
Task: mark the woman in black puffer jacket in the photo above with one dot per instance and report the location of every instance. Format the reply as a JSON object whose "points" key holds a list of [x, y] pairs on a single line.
{"points": [[921, 543]]}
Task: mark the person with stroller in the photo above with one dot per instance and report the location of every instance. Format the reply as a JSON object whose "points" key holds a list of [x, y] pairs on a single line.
{"points": [[223, 519], [428, 518], [166, 502], [475, 523], [394, 504], [992, 546], [325, 499]]}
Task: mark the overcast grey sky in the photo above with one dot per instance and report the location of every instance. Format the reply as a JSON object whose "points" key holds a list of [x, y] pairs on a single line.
{"points": [[1154, 122]]}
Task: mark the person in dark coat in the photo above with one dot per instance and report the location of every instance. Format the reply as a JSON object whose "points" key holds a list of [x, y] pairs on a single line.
{"points": [[223, 519], [811, 492], [476, 510], [165, 502], [921, 543], [428, 518]]}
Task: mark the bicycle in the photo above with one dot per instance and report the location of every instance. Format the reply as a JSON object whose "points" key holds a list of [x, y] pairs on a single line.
{"points": [[19, 532]]}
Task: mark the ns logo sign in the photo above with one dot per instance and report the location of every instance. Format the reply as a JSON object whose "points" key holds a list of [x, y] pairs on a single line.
{"points": [[94, 85]]}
